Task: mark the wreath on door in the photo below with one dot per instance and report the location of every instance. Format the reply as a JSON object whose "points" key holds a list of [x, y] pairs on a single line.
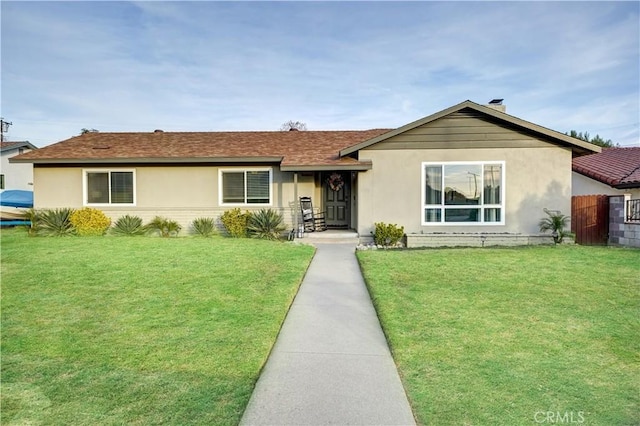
{"points": [[335, 182]]}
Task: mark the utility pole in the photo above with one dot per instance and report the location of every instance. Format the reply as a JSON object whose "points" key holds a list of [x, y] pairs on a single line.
{"points": [[4, 128]]}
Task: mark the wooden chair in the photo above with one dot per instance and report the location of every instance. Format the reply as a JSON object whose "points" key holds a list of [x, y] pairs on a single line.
{"points": [[313, 221]]}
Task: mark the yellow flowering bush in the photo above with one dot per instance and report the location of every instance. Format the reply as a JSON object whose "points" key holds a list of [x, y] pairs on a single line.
{"points": [[89, 221], [235, 222]]}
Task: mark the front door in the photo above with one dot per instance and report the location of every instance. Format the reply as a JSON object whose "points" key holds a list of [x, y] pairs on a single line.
{"points": [[336, 186]]}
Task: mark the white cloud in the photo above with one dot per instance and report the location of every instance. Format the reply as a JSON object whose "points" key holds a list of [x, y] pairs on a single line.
{"points": [[232, 66]]}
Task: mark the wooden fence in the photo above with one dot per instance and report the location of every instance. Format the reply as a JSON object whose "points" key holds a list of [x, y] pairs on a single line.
{"points": [[590, 219]]}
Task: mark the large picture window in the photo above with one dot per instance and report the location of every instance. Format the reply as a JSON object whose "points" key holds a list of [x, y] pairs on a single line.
{"points": [[250, 186], [109, 187], [463, 193]]}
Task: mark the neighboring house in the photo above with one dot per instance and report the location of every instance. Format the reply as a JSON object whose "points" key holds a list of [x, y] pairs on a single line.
{"points": [[15, 176], [468, 173], [614, 171]]}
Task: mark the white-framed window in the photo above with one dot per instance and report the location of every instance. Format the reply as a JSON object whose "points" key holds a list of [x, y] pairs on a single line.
{"points": [[107, 187], [245, 186], [463, 193]]}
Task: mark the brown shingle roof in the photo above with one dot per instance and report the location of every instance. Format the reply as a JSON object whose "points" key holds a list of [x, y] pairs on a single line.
{"points": [[617, 167], [301, 149]]}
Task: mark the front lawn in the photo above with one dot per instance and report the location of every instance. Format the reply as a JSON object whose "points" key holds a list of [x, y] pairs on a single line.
{"points": [[139, 330], [513, 336]]}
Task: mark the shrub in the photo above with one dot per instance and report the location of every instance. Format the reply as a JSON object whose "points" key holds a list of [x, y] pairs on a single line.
{"points": [[387, 234], [33, 216], [555, 222], [266, 224], [164, 227], [204, 226], [235, 222], [56, 222], [89, 221], [128, 225]]}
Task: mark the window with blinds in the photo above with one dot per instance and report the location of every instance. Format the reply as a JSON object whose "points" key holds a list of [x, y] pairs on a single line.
{"points": [[251, 186], [109, 187]]}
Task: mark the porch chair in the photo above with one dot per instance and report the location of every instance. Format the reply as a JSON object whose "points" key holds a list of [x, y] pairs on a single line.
{"points": [[313, 221]]}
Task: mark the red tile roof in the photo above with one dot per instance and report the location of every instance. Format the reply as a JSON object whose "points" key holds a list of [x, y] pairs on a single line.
{"points": [[617, 167], [293, 149]]}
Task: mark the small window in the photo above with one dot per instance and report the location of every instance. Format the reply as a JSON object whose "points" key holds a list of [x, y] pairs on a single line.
{"points": [[463, 193], [1, 181], [109, 187], [252, 186]]}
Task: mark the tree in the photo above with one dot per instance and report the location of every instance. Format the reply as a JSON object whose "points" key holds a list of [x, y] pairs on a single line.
{"points": [[293, 125], [596, 140], [85, 130]]}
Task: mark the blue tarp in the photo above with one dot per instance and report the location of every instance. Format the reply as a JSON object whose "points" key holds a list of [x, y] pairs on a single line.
{"points": [[16, 198], [15, 223]]}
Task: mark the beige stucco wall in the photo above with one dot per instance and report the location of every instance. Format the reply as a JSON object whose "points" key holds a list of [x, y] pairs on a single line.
{"points": [[535, 178], [582, 185], [178, 193]]}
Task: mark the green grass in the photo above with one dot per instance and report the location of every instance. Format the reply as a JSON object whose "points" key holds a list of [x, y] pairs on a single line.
{"points": [[139, 330], [506, 336]]}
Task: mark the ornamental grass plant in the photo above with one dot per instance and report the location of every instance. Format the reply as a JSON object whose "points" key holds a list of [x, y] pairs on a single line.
{"points": [[128, 225], [266, 224], [204, 226], [54, 222]]}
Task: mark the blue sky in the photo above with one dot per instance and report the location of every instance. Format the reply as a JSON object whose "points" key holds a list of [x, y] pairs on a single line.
{"points": [[199, 66]]}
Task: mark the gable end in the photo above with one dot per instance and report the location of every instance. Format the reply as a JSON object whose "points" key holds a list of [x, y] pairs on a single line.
{"points": [[465, 129], [472, 125]]}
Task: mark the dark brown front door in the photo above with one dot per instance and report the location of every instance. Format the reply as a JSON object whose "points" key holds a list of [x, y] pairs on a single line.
{"points": [[336, 187]]}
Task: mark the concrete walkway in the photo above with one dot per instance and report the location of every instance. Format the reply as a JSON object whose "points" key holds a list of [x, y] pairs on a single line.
{"points": [[331, 364]]}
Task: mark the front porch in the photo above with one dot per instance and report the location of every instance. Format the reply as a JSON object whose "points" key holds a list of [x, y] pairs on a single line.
{"points": [[330, 236], [333, 195]]}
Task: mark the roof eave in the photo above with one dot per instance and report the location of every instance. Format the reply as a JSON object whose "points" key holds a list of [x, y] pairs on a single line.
{"points": [[362, 166], [593, 177], [18, 145], [627, 185], [146, 160]]}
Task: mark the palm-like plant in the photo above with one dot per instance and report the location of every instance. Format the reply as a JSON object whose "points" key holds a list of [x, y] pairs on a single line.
{"points": [[33, 216], [266, 224], [165, 227], [555, 222]]}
